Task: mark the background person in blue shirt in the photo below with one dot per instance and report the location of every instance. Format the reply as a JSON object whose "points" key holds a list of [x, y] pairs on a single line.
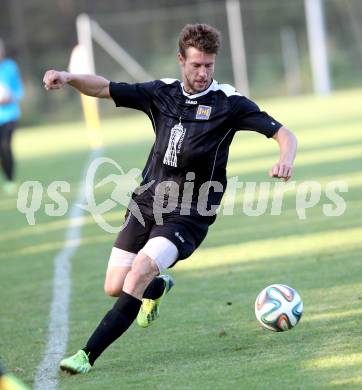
{"points": [[11, 91]]}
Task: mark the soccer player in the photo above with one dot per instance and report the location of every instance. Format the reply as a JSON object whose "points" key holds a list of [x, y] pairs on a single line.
{"points": [[194, 122], [11, 91]]}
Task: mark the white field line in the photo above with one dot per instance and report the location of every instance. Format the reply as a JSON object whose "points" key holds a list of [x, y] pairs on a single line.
{"points": [[47, 372]]}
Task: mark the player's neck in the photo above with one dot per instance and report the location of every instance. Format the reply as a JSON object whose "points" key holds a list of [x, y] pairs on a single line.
{"points": [[189, 91]]}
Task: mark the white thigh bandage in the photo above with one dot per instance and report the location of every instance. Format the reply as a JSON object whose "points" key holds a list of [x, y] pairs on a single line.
{"points": [[162, 251], [121, 258]]}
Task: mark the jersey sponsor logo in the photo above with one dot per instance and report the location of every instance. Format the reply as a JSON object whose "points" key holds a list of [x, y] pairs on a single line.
{"points": [[174, 145], [189, 101], [203, 112]]}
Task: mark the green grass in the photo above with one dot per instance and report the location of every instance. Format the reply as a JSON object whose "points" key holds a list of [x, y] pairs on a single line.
{"points": [[202, 341]]}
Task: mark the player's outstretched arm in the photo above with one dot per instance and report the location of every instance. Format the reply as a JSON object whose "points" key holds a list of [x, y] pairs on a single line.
{"points": [[287, 141], [91, 85]]}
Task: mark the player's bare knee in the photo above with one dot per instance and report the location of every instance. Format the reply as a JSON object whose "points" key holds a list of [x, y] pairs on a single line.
{"points": [[142, 272], [114, 281], [139, 276], [112, 289]]}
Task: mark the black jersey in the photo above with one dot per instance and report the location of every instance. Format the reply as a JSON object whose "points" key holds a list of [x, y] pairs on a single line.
{"points": [[193, 135]]}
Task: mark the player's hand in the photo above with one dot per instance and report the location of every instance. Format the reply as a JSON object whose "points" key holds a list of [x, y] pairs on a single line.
{"points": [[5, 100], [5, 95], [54, 79], [281, 170]]}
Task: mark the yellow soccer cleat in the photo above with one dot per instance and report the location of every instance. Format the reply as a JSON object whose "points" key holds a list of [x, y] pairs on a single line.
{"points": [[150, 309]]}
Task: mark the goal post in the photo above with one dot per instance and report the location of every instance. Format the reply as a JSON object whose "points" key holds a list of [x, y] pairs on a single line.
{"points": [[118, 53], [238, 53], [82, 62]]}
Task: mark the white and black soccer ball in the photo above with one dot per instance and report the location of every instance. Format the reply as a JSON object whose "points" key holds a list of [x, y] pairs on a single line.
{"points": [[278, 307]]}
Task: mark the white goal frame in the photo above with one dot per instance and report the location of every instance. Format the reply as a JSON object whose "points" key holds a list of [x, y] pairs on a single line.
{"points": [[89, 30]]}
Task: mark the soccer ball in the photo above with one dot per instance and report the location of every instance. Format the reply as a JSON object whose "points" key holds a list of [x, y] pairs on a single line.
{"points": [[278, 307]]}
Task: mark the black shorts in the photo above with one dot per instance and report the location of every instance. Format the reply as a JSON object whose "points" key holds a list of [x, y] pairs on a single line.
{"points": [[186, 232]]}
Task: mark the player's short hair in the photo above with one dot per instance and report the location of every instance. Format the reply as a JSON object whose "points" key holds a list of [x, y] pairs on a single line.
{"points": [[200, 36]]}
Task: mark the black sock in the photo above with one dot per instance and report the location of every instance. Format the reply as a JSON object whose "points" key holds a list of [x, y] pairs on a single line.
{"points": [[155, 289], [113, 325]]}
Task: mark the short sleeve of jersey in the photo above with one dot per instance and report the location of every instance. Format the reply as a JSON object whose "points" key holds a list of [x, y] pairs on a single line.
{"points": [[246, 115], [137, 96]]}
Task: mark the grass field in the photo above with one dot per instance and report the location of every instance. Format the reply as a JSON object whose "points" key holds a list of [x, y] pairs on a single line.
{"points": [[207, 337]]}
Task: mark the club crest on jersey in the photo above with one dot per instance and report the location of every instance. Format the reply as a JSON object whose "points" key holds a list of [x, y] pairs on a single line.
{"points": [[174, 145], [203, 112]]}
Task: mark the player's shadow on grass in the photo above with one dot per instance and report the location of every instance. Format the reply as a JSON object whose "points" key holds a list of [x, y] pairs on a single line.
{"points": [[239, 229], [271, 153], [325, 122], [315, 171]]}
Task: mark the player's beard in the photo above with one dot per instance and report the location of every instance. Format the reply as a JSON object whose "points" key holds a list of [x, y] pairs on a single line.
{"points": [[198, 87]]}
